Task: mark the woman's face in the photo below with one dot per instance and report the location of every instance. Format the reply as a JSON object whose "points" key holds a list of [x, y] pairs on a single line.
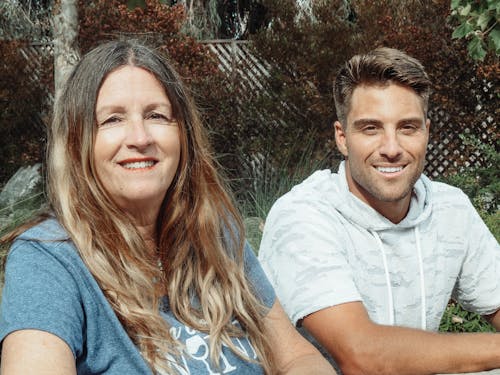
{"points": [[137, 146]]}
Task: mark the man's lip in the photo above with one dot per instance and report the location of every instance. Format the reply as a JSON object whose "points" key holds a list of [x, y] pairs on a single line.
{"points": [[385, 165], [390, 169]]}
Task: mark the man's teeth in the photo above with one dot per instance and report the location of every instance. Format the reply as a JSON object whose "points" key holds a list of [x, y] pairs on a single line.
{"points": [[139, 164], [389, 169]]}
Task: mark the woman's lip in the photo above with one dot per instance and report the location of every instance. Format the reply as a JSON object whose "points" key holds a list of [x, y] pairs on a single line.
{"points": [[137, 160], [136, 164]]}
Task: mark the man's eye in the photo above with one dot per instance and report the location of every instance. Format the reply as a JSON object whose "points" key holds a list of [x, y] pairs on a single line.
{"points": [[409, 128], [370, 129]]}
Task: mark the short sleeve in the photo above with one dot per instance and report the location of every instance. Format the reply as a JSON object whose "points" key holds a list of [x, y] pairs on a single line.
{"points": [[478, 285], [257, 278], [40, 293], [303, 253]]}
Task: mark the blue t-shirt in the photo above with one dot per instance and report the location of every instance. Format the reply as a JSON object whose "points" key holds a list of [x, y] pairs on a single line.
{"points": [[48, 288]]}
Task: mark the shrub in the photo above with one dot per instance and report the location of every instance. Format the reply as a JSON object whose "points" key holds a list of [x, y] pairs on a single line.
{"points": [[304, 53], [23, 109]]}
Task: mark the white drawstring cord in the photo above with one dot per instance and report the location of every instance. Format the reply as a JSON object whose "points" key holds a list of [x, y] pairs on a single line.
{"points": [[422, 280], [387, 278], [390, 298]]}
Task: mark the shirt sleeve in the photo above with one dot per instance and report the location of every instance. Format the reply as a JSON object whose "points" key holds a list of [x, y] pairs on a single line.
{"points": [[40, 293], [257, 278], [303, 252], [478, 285]]}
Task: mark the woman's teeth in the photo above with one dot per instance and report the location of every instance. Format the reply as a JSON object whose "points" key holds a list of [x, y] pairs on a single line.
{"points": [[139, 164]]}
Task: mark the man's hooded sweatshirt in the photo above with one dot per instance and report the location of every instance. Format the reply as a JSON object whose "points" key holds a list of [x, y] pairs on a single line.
{"points": [[322, 246]]}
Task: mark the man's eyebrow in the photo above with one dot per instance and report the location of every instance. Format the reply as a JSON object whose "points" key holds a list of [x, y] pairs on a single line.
{"points": [[366, 121], [412, 120]]}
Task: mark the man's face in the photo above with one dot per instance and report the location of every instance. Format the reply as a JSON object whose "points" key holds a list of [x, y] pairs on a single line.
{"points": [[384, 142]]}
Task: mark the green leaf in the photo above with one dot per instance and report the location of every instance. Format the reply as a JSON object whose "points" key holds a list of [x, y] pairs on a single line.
{"points": [[462, 30], [455, 4], [494, 38], [483, 20], [492, 4], [465, 10], [477, 48]]}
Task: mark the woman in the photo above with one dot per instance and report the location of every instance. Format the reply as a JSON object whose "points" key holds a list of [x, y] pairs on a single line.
{"points": [[143, 266]]}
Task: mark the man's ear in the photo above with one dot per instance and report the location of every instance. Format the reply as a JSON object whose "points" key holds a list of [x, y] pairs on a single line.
{"points": [[427, 128], [340, 138]]}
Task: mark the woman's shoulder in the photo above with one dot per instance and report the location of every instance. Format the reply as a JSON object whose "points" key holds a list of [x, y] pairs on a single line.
{"points": [[47, 230], [45, 242]]}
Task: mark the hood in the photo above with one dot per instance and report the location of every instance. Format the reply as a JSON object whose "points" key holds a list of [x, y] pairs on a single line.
{"points": [[360, 213]]}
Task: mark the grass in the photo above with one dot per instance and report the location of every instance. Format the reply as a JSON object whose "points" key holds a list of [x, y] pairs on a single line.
{"points": [[269, 182], [456, 319]]}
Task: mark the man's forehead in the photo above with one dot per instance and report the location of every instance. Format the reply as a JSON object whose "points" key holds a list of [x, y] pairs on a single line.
{"points": [[374, 101]]}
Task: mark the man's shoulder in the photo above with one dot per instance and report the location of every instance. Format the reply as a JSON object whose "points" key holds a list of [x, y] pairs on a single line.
{"points": [[310, 203], [444, 193], [313, 188]]}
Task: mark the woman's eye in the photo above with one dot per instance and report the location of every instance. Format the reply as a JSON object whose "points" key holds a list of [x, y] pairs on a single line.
{"points": [[158, 116], [111, 120]]}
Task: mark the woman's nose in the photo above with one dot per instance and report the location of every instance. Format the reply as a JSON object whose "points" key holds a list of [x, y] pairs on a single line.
{"points": [[138, 134]]}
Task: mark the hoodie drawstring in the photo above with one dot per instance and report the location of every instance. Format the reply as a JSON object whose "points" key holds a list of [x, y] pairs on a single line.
{"points": [[422, 280], [387, 278], [390, 298]]}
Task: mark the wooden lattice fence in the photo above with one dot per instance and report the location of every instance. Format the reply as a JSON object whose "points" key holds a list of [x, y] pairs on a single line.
{"points": [[446, 150], [235, 59]]}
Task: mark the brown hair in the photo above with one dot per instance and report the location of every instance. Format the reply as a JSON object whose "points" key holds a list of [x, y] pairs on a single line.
{"points": [[380, 66], [200, 236]]}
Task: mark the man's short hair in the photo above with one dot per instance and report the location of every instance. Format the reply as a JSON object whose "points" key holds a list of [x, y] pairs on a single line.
{"points": [[380, 66]]}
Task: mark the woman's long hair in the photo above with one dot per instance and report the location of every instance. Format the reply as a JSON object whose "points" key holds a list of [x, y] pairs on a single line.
{"points": [[199, 231]]}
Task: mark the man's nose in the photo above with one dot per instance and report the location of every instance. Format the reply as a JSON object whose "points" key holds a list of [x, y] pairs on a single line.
{"points": [[390, 146]]}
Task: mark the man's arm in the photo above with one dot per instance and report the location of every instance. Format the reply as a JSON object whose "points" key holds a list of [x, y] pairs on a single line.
{"points": [[494, 319], [362, 347]]}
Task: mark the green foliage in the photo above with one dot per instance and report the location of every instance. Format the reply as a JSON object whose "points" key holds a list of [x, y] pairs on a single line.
{"points": [[18, 213], [478, 22], [481, 184], [456, 319]]}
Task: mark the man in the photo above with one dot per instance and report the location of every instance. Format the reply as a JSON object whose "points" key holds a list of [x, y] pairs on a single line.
{"points": [[367, 259]]}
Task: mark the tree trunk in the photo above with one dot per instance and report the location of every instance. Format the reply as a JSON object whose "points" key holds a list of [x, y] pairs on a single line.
{"points": [[65, 25]]}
